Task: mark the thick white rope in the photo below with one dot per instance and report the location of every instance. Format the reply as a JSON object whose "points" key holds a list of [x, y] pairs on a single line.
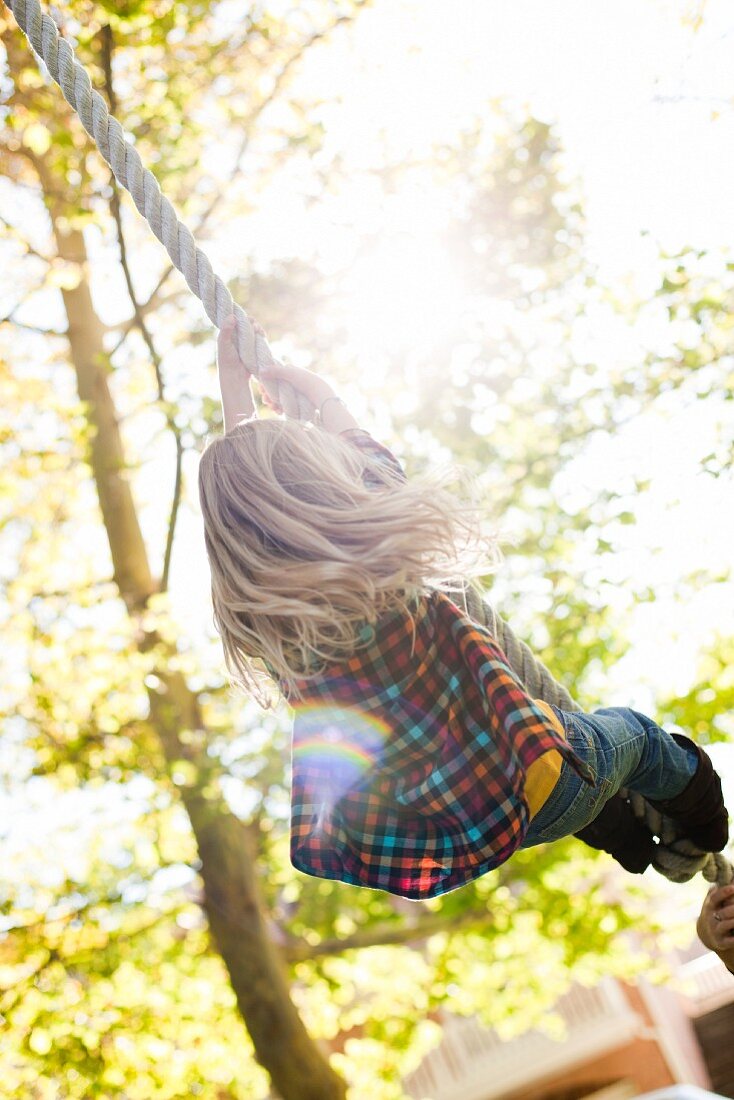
{"points": [[125, 162], [538, 681], [677, 859]]}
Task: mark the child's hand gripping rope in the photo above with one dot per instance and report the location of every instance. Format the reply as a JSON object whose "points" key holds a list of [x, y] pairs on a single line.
{"points": [[235, 382]]}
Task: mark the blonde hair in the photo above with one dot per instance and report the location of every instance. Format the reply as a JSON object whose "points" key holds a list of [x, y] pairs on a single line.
{"points": [[303, 554]]}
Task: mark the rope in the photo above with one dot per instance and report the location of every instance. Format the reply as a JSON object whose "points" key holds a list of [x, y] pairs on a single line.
{"points": [[536, 678], [124, 160], [677, 859]]}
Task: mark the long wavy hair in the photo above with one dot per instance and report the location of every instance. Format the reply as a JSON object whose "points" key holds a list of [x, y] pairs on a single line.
{"points": [[303, 554]]}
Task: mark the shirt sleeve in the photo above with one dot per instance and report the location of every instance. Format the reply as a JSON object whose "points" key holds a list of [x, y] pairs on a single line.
{"points": [[515, 717], [378, 453]]}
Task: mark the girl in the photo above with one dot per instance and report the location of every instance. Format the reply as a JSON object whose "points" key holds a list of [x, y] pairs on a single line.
{"points": [[419, 762]]}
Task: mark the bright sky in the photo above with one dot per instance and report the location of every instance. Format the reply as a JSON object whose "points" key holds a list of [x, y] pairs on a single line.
{"points": [[643, 104], [645, 109]]}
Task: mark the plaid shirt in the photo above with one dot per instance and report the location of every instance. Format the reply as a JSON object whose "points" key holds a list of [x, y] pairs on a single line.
{"points": [[409, 758]]}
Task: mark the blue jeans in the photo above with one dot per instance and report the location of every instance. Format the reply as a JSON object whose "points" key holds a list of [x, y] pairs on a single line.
{"points": [[624, 749]]}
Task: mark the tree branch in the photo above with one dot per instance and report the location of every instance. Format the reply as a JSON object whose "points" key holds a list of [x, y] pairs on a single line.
{"points": [[152, 302], [14, 233], [139, 319], [11, 319], [385, 935], [11, 994], [251, 118], [247, 123], [111, 898], [67, 593]]}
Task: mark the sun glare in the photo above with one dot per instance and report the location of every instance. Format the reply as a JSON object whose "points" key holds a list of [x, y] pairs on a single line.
{"points": [[401, 295]]}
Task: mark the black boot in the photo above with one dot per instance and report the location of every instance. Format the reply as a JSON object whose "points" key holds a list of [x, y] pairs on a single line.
{"points": [[616, 830], [699, 809]]}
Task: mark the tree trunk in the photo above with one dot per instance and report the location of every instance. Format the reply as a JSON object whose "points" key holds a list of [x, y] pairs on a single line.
{"points": [[298, 1069]]}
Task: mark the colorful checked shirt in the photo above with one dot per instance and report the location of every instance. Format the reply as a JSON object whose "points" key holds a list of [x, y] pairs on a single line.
{"points": [[410, 758]]}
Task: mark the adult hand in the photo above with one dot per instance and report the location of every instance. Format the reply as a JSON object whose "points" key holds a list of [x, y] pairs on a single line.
{"points": [[715, 925]]}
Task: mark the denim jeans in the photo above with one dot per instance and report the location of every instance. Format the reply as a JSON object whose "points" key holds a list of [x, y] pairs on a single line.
{"points": [[624, 749]]}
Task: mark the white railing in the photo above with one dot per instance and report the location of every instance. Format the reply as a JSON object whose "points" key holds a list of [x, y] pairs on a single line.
{"points": [[473, 1063], [706, 983]]}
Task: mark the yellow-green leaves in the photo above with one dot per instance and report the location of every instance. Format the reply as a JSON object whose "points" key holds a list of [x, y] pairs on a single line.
{"points": [[37, 138]]}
